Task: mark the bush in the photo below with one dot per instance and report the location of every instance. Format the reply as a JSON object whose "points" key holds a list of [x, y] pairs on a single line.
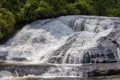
{"points": [[71, 9], [7, 21], [114, 12], [84, 7], [14, 6], [37, 9]]}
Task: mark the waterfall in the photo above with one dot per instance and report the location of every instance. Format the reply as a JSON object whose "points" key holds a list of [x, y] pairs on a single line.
{"points": [[73, 40]]}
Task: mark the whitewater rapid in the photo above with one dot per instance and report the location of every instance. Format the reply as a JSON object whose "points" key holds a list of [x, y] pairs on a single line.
{"points": [[66, 40]]}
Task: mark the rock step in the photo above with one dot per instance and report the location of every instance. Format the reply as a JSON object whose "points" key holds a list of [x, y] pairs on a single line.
{"points": [[116, 77], [90, 70]]}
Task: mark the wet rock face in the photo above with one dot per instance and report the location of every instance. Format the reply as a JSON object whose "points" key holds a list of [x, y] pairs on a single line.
{"points": [[105, 52], [3, 56], [18, 59], [67, 40], [96, 41], [100, 54]]}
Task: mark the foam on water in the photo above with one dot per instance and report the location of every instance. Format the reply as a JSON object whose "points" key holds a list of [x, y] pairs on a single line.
{"points": [[65, 40]]}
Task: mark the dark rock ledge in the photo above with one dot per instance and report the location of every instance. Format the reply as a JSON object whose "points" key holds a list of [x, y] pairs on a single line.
{"points": [[92, 70], [68, 78]]}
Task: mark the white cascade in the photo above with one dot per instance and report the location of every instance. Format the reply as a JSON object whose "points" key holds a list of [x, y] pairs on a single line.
{"points": [[66, 40]]}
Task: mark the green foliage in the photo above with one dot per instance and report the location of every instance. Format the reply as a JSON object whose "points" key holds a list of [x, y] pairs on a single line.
{"points": [[105, 7], [71, 9], [14, 6], [114, 12], [84, 7], [7, 21], [37, 9], [27, 10]]}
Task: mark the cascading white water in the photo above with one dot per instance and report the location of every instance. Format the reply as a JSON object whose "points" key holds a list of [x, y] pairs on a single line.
{"points": [[66, 40]]}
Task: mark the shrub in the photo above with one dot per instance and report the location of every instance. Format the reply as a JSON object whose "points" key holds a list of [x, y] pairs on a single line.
{"points": [[7, 21]]}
